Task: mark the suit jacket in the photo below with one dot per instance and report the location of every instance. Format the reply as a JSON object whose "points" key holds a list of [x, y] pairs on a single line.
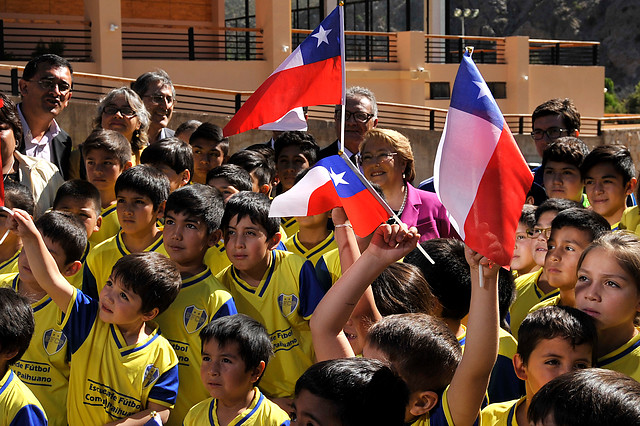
{"points": [[60, 151], [425, 211], [333, 150]]}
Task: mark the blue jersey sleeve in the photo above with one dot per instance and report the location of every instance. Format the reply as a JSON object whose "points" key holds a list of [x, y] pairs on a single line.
{"points": [[166, 388], [323, 275], [281, 246], [89, 284], [504, 385], [311, 292], [229, 308], [29, 415], [82, 316], [286, 423]]}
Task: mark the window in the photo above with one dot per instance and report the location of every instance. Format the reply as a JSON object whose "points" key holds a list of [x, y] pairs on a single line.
{"points": [[439, 90], [498, 89]]}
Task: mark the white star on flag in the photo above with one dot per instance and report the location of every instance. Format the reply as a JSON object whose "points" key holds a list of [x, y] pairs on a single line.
{"points": [[484, 89], [321, 35], [337, 178]]}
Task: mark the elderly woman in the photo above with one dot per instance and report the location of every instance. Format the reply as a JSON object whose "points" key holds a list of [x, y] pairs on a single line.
{"points": [[386, 159]]}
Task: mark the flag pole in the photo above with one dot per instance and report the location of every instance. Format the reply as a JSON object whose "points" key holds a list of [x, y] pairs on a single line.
{"points": [[384, 204], [344, 77]]}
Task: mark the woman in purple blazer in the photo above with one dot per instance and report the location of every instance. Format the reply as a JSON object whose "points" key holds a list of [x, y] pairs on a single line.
{"points": [[386, 159]]}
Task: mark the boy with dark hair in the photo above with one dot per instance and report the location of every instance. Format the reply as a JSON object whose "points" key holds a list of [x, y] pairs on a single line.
{"points": [[210, 149], [106, 155], [16, 196], [552, 341], [295, 151], [260, 168], [275, 287], [18, 405], [229, 179], [113, 343], [172, 157], [561, 163], [235, 352], [186, 129], [609, 177], [192, 219], [141, 193], [522, 261], [44, 367]]}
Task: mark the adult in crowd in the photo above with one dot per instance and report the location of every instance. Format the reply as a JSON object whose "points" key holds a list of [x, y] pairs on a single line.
{"points": [[159, 96], [40, 176], [387, 160], [45, 88]]}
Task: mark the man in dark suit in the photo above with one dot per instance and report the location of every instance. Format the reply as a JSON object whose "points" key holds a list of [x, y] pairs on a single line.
{"points": [[45, 88], [361, 114], [159, 96]]}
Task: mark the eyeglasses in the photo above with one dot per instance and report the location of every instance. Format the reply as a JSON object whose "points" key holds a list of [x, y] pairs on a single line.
{"points": [[160, 99], [360, 117], [124, 111], [535, 232], [552, 133], [383, 157], [50, 84]]}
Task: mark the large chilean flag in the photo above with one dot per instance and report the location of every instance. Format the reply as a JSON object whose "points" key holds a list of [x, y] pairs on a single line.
{"points": [[312, 75], [480, 174]]}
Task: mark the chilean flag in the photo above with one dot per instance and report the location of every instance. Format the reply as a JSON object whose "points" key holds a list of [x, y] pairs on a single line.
{"points": [[312, 75], [480, 174], [332, 183]]}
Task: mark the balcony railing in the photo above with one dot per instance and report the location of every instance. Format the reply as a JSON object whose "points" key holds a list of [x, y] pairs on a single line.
{"points": [[449, 49], [361, 46], [559, 52]]}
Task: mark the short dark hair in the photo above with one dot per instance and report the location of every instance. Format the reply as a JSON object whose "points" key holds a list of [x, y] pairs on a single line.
{"points": [[187, 126], [142, 83], [145, 180], [401, 289], [256, 163], [9, 115], [211, 132], [420, 347], [363, 391], [66, 230], [171, 152], [16, 323], [53, 61], [588, 397], [567, 149], [236, 176], [583, 219], [555, 205], [110, 141], [268, 152], [19, 196], [617, 155], [79, 189], [303, 140], [252, 338], [152, 276], [506, 295], [550, 322], [201, 201], [253, 205], [563, 107], [528, 215]]}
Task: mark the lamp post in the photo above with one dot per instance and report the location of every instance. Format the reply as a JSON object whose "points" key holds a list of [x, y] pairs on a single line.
{"points": [[465, 13]]}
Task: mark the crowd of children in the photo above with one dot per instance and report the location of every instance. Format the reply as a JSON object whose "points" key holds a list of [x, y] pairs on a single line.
{"points": [[165, 292]]}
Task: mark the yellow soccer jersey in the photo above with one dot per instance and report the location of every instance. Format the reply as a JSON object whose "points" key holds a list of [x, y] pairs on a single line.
{"points": [[551, 301], [625, 359], [109, 379], [101, 259], [288, 227], [18, 405], [329, 269], [527, 295], [44, 367], [201, 299], [76, 279], [462, 339], [295, 246], [10, 265], [439, 415], [109, 228], [283, 302], [504, 385], [216, 258], [631, 220], [501, 414], [261, 412]]}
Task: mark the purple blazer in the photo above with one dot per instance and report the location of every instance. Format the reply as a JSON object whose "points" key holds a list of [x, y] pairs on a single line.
{"points": [[425, 211]]}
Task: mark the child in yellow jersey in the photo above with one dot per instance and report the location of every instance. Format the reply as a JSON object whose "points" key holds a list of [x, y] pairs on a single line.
{"points": [[275, 287], [260, 166], [18, 405], [553, 340], [229, 179], [608, 289], [44, 367], [192, 219], [16, 196], [141, 193], [522, 261], [210, 149], [172, 157], [235, 352], [121, 368], [106, 155], [313, 239]]}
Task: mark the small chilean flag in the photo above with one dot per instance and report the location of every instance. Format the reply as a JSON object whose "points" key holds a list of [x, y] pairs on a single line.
{"points": [[312, 75], [332, 183], [480, 174]]}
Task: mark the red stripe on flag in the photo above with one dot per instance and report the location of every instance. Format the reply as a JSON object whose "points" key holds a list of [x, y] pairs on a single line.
{"points": [[323, 199], [365, 212], [492, 221]]}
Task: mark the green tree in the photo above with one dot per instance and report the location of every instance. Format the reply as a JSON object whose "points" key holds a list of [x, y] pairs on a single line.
{"points": [[611, 102], [633, 101]]}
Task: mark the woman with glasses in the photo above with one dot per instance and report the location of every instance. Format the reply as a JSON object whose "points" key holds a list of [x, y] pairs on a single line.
{"points": [[387, 160]]}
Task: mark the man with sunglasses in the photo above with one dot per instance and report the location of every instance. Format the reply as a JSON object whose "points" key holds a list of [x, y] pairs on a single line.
{"points": [[361, 114], [159, 96], [45, 88]]}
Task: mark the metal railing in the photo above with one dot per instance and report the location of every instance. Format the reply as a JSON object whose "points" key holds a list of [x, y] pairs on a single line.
{"points": [[562, 52], [157, 41], [23, 39], [449, 49], [361, 46]]}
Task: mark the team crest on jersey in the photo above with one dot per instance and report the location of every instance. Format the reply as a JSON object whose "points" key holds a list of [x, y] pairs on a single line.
{"points": [[194, 318], [151, 374], [288, 303], [53, 341]]}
